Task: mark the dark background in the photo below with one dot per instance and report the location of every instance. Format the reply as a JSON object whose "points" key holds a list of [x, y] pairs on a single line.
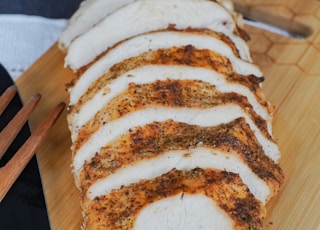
{"points": [[45, 8], [24, 207]]}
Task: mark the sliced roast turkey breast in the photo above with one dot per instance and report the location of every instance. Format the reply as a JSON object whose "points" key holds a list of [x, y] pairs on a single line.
{"points": [[160, 15], [227, 195], [154, 41], [170, 128], [152, 150]]}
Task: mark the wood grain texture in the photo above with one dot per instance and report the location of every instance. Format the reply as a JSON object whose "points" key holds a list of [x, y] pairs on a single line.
{"points": [[292, 71]]}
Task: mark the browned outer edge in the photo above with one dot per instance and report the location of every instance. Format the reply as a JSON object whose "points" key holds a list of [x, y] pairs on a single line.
{"points": [[166, 94], [179, 56], [120, 208], [143, 143], [171, 27]]}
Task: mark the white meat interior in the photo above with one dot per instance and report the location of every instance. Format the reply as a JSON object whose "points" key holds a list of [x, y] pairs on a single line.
{"points": [[183, 211], [88, 15], [130, 20]]}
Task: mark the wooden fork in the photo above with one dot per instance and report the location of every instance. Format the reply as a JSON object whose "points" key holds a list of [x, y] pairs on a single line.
{"points": [[10, 172]]}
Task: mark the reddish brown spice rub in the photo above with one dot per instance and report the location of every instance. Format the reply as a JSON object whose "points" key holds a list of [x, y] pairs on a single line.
{"points": [[153, 140], [183, 56], [169, 93], [120, 208]]}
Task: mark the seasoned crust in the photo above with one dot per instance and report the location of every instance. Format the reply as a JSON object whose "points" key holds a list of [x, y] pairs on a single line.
{"points": [[152, 140], [120, 208], [169, 93], [198, 31], [177, 56]]}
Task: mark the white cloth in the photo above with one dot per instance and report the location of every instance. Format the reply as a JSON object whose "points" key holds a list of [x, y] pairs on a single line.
{"points": [[23, 39]]}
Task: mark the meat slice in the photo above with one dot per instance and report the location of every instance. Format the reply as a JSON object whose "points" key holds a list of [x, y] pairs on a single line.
{"points": [[220, 192], [160, 15], [108, 87], [88, 15], [160, 40], [168, 94], [202, 157], [152, 150], [92, 12], [202, 117]]}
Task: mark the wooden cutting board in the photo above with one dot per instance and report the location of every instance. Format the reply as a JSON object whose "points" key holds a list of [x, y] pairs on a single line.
{"points": [[292, 71]]}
